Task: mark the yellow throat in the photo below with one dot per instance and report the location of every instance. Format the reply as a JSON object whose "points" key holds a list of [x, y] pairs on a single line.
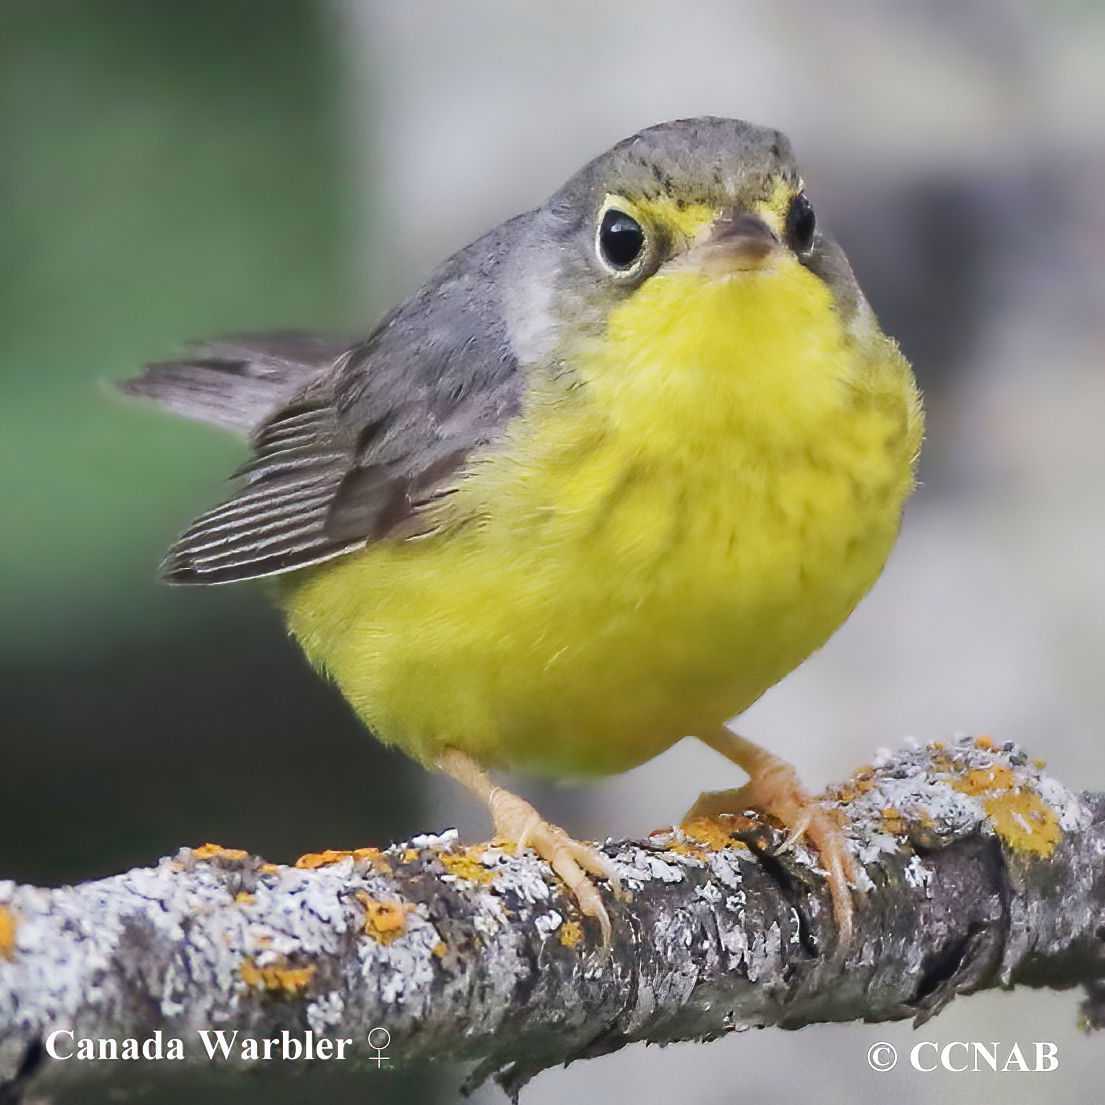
{"points": [[687, 507]]}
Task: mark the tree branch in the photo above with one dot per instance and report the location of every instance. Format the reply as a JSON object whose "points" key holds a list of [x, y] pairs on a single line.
{"points": [[975, 870]]}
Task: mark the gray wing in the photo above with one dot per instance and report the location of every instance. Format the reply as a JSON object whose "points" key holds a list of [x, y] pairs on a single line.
{"points": [[324, 481], [238, 382], [360, 446]]}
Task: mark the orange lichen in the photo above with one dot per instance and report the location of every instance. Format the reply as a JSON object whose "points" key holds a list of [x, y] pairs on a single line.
{"points": [[467, 865], [710, 833], [984, 742], [571, 932], [324, 859], [862, 780], [268, 869], [701, 835], [8, 925], [440, 949], [311, 860], [985, 779], [278, 977], [243, 897], [893, 821], [1023, 820], [384, 921], [217, 851], [375, 857]]}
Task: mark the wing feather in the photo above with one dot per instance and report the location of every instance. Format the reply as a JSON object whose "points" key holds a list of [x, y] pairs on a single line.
{"points": [[349, 444], [238, 382]]}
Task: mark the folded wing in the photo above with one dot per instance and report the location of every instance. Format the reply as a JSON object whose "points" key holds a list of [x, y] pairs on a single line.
{"points": [[349, 444]]}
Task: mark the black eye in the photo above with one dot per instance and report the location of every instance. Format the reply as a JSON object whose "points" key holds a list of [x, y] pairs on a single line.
{"points": [[621, 239], [801, 223]]}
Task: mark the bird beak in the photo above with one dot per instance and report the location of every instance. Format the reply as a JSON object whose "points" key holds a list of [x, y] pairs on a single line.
{"points": [[736, 241]]}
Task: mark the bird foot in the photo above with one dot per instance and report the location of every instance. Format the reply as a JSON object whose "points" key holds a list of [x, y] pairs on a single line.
{"points": [[774, 789], [517, 822]]}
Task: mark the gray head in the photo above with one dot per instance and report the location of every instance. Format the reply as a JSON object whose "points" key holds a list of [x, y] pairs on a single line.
{"points": [[641, 205], [709, 162]]}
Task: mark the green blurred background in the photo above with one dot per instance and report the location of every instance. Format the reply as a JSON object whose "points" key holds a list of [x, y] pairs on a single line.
{"points": [[166, 171]]}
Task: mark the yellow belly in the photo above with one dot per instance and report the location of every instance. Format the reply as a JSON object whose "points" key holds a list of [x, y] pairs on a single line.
{"points": [[661, 538]]}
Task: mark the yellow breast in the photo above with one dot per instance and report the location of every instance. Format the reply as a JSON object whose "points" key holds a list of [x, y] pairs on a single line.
{"points": [[670, 527]]}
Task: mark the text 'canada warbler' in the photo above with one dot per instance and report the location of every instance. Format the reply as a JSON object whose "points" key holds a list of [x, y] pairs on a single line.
{"points": [[613, 471]]}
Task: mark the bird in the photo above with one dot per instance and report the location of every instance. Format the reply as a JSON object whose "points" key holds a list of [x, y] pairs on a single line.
{"points": [[615, 469]]}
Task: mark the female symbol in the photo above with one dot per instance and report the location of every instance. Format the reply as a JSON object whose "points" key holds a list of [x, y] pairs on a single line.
{"points": [[385, 1035]]}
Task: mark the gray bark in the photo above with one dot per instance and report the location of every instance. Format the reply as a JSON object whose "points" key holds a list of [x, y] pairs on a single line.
{"points": [[976, 870]]}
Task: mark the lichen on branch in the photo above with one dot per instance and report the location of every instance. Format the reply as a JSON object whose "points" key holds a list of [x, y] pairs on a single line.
{"points": [[974, 869]]}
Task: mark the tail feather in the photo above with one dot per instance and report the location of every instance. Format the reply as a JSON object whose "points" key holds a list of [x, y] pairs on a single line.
{"points": [[238, 382]]}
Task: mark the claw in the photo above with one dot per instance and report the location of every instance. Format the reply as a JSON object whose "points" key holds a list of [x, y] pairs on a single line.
{"points": [[797, 831], [773, 788], [517, 822]]}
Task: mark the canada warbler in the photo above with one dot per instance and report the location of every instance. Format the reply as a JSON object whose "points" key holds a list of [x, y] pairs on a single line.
{"points": [[615, 469]]}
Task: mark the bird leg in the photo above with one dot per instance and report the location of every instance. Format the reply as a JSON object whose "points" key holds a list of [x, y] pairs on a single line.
{"points": [[517, 822], [773, 787]]}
